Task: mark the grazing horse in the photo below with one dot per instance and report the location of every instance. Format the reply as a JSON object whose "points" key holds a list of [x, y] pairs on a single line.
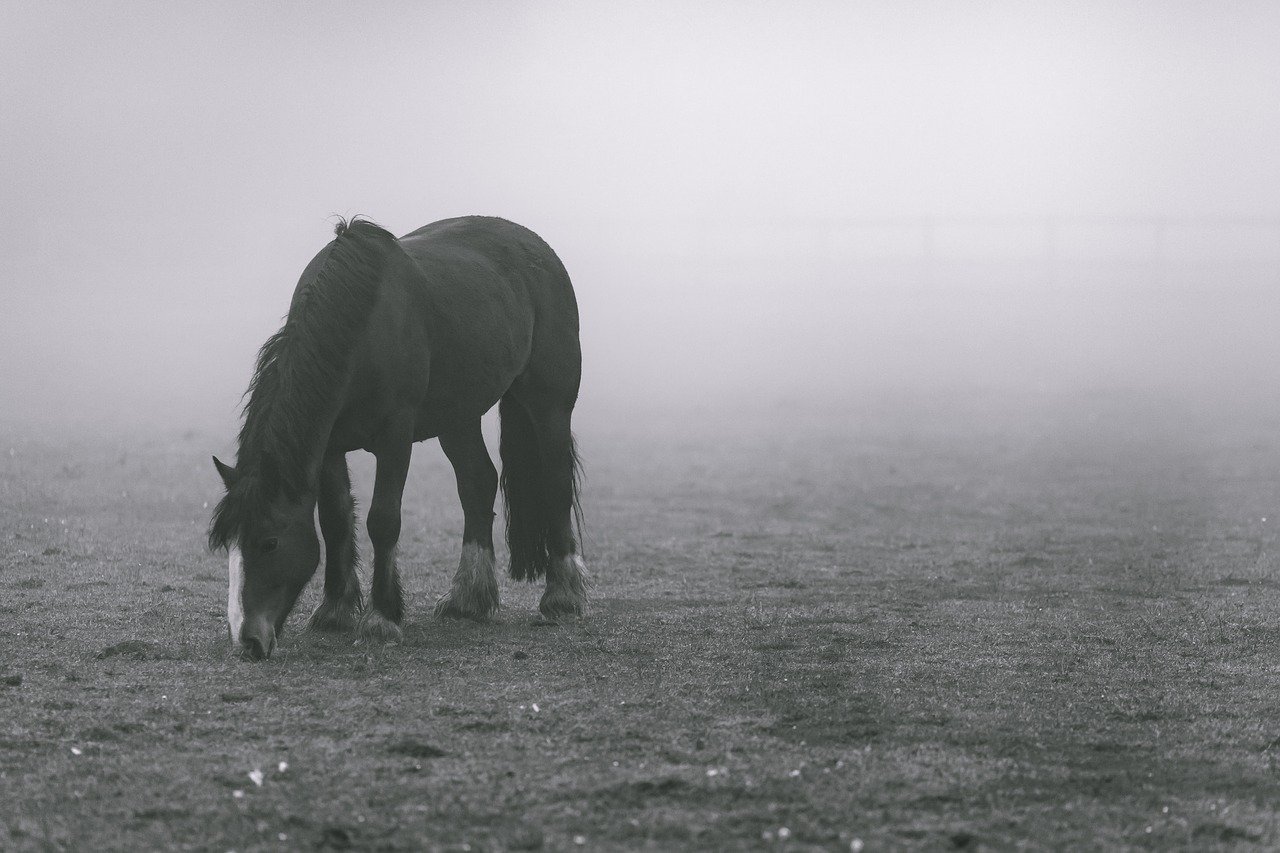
{"points": [[389, 342]]}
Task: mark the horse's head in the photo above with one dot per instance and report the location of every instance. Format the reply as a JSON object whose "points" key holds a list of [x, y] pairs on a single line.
{"points": [[273, 551]]}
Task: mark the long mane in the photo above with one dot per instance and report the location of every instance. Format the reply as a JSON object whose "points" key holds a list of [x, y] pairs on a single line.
{"points": [[298, 371]]}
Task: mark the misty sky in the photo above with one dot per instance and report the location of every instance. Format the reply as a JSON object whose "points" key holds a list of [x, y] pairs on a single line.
{"points": [[168, 169]]}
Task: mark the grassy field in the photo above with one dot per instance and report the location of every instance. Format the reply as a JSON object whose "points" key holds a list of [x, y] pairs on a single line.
{"points": [[994, 621]]}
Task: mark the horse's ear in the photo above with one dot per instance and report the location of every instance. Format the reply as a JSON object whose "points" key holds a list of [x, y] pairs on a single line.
{"points": [[228, 474]]}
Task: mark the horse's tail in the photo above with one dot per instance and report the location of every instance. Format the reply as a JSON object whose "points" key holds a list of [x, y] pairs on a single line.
{"points": [[531, 492]]}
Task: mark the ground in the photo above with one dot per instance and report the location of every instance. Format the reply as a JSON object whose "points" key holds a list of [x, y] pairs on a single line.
{"points": [[964, 621]]}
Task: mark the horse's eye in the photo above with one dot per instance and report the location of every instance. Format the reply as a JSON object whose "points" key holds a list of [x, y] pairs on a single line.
{"points": [[269, 545]]}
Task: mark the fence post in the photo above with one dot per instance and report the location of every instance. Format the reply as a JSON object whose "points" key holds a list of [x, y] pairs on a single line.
{"points": [[1051, 250], [1159, 227], [928, 248]]}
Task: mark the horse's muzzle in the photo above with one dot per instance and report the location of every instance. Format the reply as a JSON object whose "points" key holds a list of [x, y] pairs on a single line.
{"points": [[257, 639]]}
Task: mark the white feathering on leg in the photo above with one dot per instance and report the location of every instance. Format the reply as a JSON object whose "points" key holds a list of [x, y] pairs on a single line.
{"points": [[566, 593], [474, 593]]}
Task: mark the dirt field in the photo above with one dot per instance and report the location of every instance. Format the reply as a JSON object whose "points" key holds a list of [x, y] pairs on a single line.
{"points": [[964, 623]]}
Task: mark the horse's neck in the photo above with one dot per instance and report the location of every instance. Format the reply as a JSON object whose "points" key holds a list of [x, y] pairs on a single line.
{"points": [[319, 445], [304, 470]]}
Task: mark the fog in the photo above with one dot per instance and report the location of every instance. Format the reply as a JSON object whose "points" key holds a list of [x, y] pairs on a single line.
{"points": [[759, 203]]}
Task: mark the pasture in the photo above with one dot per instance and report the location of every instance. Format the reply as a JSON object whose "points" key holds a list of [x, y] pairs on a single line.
{"points": [[951, 622]]}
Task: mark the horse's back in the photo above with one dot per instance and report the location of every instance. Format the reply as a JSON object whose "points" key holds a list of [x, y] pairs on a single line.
{"points": [[521, 261], [512, 250]]}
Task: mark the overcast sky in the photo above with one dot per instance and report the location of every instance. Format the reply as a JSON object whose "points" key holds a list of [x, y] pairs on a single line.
{"points": [[167, 168]]}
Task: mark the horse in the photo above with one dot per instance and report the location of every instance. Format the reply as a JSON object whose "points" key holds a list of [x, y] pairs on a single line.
{"points": [[387, 342]]}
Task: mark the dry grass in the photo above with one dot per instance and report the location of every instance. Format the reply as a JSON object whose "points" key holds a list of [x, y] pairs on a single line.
{"points": [[1041, 622]]}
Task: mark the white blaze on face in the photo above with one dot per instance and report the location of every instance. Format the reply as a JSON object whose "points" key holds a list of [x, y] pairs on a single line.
{"points": [[235, 593]]}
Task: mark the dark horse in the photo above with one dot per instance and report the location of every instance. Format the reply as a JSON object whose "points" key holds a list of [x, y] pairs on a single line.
{"points": [[389, 342]]}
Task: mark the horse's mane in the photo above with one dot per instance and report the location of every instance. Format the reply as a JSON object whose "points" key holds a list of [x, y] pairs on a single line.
{"points": [[298, 370]]}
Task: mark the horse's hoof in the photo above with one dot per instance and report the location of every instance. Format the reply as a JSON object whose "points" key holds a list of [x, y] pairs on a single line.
{"points": [[477, 608], [474, 592], [339, 615], [560, 604], [566, 593], [376, 628]]}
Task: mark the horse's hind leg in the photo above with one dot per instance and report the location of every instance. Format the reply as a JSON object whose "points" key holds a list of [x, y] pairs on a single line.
{"points": [[545, 538], [566, 593], [474, 593], [341, 605]]}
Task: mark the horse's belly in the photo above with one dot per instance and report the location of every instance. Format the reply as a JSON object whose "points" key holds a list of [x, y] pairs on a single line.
{"points": [[459, 392]]}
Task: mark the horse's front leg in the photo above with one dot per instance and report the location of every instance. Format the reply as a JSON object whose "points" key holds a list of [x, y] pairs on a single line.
{"points": [[381, 620], [342, 604]]}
